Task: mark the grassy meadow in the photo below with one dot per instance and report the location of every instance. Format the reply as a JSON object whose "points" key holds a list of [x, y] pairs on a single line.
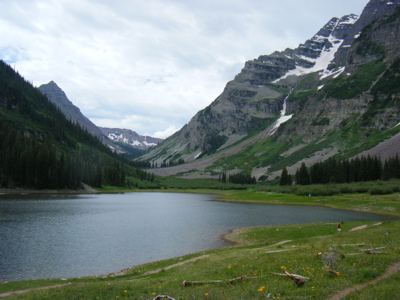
{"points": [[250, 270]]}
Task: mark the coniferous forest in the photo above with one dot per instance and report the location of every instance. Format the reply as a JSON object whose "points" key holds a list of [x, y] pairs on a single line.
{"points": [[40, 148], [345, 171]]}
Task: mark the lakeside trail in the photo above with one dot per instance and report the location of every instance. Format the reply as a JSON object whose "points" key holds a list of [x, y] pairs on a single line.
{"points": [[33, 289], [393, 269], [6, 294]]}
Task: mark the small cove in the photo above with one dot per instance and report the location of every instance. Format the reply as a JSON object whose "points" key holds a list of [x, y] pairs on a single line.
{"points": [[61, 236]]}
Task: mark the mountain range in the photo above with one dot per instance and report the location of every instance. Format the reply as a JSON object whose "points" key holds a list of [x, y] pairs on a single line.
{"points": [[119, 140], [335, 95]]}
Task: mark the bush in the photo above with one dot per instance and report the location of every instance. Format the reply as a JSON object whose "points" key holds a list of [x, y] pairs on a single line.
{"points": [[317, 190], [381, 190]]}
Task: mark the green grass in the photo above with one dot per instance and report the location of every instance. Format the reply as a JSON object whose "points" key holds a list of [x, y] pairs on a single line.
{"points": [[384, 204]]}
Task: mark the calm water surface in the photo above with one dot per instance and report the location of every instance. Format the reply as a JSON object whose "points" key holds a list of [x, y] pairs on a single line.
{"points": [[51, 236]]}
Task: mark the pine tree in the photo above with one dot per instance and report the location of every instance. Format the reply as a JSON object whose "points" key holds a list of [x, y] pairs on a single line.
{"points": [[284, 177], [303, 177]]}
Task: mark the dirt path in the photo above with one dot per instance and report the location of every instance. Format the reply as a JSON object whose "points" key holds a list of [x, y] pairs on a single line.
{"points": [[176, 265], [33, 289], [65, 284], [389, 272]]}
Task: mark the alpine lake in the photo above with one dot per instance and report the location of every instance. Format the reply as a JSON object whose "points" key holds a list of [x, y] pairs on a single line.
{"points": [[75, 235]]}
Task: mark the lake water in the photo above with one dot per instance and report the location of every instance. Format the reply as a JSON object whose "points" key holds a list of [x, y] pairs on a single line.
{"points": [[60, 236]]}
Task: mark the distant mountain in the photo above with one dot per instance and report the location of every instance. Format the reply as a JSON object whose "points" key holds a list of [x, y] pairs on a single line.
{"points": [[131, 138], [119, 140], [71, 112], [335, 95]]}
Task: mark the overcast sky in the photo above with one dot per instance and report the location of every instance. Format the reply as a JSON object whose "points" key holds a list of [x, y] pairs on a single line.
{"points": [[151, 65]]}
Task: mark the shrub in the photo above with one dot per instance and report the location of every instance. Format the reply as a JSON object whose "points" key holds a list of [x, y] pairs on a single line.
{"points": [[381, 190]]}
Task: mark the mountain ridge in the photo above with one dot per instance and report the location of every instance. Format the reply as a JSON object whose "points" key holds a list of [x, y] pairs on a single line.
{"points": [[119, 140], [329, 84], [130, 137]]}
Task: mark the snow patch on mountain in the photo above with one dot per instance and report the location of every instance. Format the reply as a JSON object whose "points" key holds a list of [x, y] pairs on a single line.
{"points": [[282, 119], [320, 64], [122, 139], [327, 54]]}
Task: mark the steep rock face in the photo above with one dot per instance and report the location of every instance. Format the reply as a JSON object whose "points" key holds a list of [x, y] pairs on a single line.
{"points": [[73, 113], [129, 137], [342, 82], [254, 99], [369, 97], [56, 95]]}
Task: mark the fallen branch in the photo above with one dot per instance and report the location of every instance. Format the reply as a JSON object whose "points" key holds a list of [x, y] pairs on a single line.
{"points": [[187, 282], [280, 243], [278, 251], [373, 250], [359, 227], [361, 244], [298, 279]]}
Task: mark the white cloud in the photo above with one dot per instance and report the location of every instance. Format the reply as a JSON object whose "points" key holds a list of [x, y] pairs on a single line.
{"points": [[167, 132], [151, 65]]}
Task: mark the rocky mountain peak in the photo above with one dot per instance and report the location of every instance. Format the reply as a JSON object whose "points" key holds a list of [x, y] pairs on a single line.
{"points": [[56, 95]]}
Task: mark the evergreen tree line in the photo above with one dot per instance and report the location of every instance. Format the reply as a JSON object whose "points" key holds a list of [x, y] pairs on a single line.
{"points": [[345, 171], [143, 175], [238, 178], [27, 162]]}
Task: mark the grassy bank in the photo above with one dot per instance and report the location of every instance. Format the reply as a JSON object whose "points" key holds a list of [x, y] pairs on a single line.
{"points": [[255, 261], [383, 204]]}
